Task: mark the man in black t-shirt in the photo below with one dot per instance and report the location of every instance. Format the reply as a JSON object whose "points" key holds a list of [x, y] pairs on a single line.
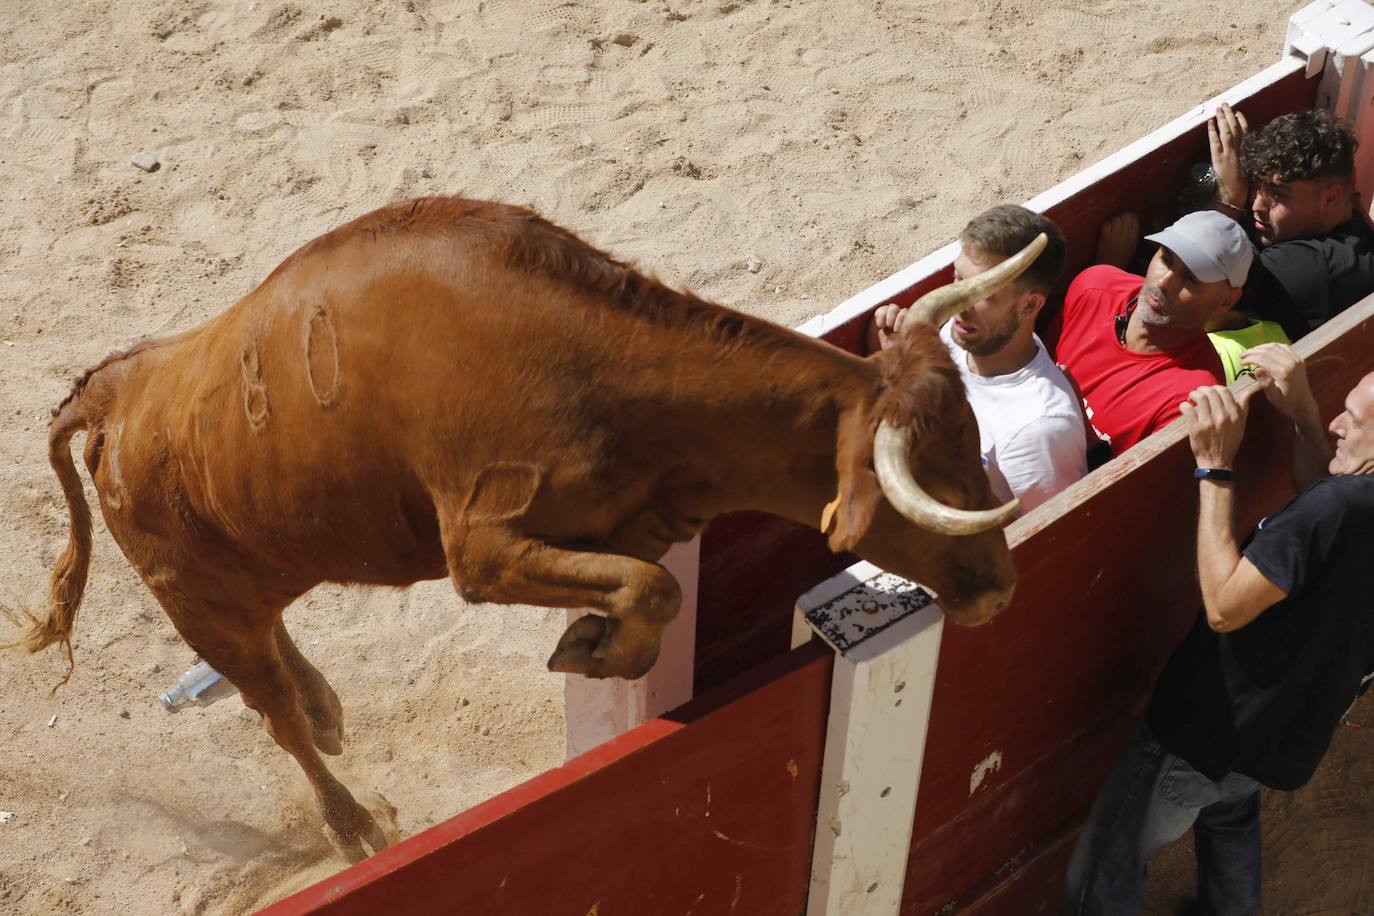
{"points": [[1283, 646], [1317, 248]]}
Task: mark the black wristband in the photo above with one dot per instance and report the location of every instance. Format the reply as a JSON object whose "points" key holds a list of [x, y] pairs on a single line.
{"points": [[1214, 474]]}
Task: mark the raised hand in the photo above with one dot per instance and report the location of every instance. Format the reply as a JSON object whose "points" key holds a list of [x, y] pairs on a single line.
{"points": [[887, 324], [1284, 377], [1225, 131]]}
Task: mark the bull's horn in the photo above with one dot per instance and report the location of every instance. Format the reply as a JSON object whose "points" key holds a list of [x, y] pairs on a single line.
{"points": [[936, 306], [891, 451]]}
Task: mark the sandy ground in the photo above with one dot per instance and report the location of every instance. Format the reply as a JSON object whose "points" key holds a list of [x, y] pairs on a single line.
{"points": [[834, 141]]}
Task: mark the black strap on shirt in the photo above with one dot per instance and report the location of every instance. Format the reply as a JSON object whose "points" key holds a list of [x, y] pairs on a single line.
{"points": [[1123, 321]]}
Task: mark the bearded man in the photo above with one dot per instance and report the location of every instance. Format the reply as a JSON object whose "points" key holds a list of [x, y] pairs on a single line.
{"points": [[1030, 423]]}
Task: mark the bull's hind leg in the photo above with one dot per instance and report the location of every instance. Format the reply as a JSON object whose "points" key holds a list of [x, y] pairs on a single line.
{"points": [[318, 700], [243, 645], [257, 669], [638, 598]]}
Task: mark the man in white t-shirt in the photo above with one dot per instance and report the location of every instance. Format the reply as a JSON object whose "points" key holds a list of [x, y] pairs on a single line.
{"points": [[1030, 421]]}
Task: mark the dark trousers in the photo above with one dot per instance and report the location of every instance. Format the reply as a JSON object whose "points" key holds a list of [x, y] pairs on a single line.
{"points": [[1151, 798]]}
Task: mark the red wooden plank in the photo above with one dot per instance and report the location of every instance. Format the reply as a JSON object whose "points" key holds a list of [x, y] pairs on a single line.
{"points": [[753, 567], [1107, 588], [1050, 795], [1032, 884], [708, 810]]}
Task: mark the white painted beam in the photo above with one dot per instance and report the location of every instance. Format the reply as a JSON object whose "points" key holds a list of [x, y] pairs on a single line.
{"points": [[1323, 27], [887, 636], [1336, 37], [599, 710], [1363, 125]]}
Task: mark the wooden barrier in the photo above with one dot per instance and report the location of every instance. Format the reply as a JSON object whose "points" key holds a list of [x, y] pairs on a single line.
{"points": [[707, 810], [1029, 712], [1107, 588]]}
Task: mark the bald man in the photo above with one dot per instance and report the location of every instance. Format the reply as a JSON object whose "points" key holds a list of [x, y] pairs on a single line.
{"points": [[1283, 646]]}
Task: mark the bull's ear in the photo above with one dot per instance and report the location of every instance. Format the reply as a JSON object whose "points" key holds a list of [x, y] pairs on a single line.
{"points": [[858, 501], [859, 490]]}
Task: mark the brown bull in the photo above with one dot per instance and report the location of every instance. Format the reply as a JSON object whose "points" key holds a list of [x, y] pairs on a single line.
{"points": [[448, 387]]}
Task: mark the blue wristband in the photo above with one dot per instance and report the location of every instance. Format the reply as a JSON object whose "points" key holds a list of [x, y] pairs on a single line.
{"points": [[1214, 474]]}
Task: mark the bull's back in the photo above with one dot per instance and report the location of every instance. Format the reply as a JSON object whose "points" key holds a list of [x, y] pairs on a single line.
{"points": [[315, 420], [280, 429], [370, 377], [460, 357]]}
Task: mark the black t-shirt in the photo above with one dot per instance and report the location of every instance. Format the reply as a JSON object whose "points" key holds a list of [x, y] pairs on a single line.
{"points": [[1265, 700], [1303, 282]]}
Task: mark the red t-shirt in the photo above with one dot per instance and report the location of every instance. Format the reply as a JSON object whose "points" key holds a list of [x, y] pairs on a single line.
{"points": [[1128, 395]]}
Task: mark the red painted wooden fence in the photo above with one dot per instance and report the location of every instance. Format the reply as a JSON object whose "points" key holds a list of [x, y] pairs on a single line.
{"points": [[707, 811], [1107, 587]]}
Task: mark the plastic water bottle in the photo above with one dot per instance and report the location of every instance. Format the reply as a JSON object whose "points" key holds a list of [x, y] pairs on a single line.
{"points": [[1200, 187], [193, 682]]}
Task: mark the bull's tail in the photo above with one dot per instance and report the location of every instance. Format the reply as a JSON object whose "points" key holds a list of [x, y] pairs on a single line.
{"points": [[69, 576]]}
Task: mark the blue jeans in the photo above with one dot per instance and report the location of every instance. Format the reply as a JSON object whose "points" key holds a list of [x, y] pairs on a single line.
{"points": [[1151, 798]]}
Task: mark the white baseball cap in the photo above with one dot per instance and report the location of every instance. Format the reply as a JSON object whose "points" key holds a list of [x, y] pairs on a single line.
{"points": [[1213, 246]]}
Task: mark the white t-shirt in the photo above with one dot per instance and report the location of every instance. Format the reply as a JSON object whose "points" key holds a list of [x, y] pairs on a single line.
{"points": [[1030, 426]]}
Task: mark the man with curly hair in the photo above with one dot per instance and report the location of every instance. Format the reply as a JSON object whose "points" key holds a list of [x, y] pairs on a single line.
{"points": [[1292, 185]]}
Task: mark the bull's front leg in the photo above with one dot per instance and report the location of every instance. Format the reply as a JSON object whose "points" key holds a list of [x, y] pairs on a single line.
{"points": [[636, 599]]}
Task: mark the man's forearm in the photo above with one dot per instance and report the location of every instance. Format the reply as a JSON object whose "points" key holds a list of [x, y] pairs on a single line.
{"points": [[1234, 590], [1217, 553], [1311, 449]]}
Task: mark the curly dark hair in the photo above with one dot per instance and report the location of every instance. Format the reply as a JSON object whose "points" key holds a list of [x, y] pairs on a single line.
{"points": [[1005, 229], [1298, 147]]}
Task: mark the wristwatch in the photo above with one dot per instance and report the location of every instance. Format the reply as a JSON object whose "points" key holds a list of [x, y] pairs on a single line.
{"points": [[1214, 474]]}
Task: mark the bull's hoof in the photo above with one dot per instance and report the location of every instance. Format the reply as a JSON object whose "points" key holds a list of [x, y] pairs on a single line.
{"points": [[352, 853], [577, 647], [360, 842], [599, 647], [376, 839], [326, 729]]}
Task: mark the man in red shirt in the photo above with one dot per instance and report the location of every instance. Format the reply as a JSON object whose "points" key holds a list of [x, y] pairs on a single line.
{"points": [[1137, 346]]}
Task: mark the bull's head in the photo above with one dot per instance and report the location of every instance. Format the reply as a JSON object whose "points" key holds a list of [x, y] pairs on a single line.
{"points": [[913, 497]]}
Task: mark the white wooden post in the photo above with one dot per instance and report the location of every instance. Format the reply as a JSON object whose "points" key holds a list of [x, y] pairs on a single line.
{"points": [[1324, 26], [1336, 38], [598, 710], [887, 633]]}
